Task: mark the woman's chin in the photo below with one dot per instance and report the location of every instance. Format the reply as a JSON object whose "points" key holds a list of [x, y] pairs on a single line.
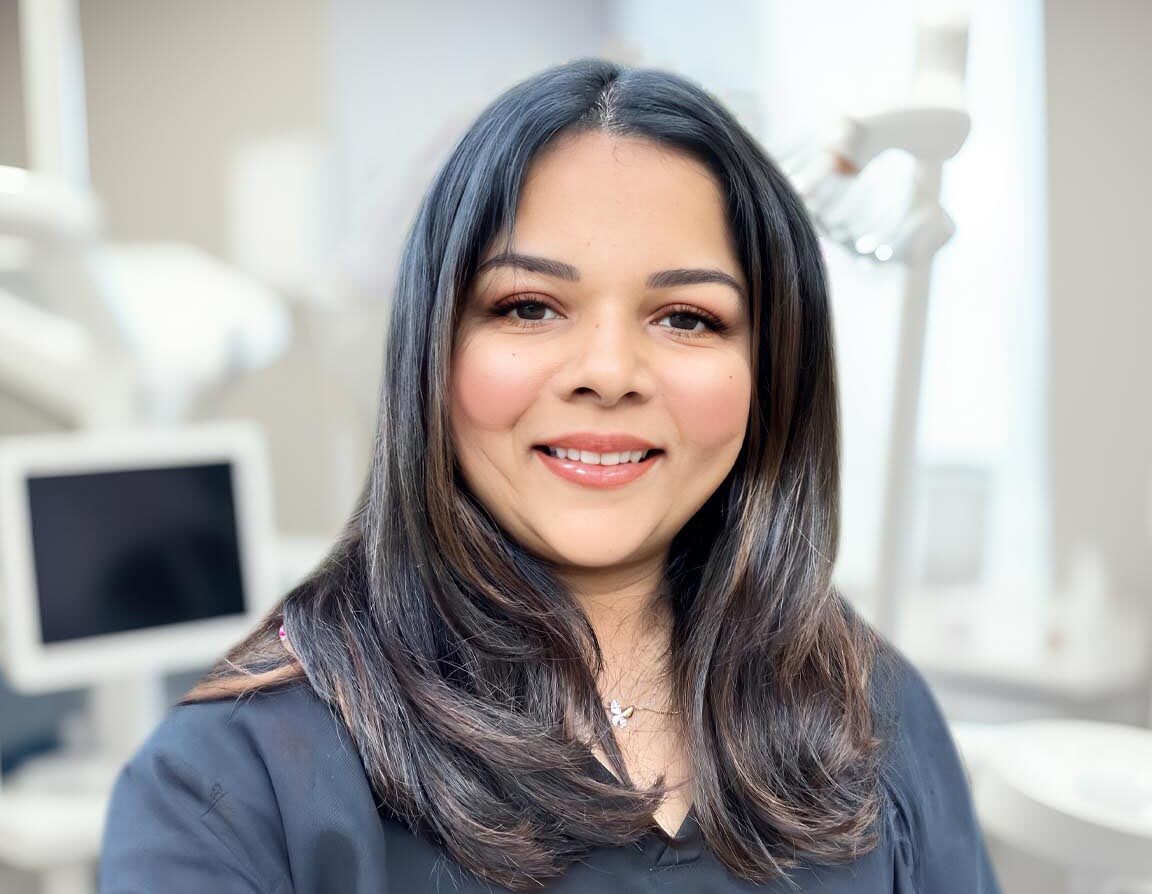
{"points": [[598, 551]]}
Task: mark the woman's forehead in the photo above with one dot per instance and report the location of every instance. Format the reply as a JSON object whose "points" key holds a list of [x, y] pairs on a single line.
{"points": [[622, 204]]}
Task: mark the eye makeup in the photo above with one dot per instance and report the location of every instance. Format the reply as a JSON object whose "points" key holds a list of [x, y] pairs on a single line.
{"points": [[505, 307]]}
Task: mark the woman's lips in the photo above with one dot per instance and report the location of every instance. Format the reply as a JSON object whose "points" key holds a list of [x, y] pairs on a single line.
{"points": [[596, 475]]}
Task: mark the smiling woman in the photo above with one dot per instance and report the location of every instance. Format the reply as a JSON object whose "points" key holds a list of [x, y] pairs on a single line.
{"points": [[581, 624]]}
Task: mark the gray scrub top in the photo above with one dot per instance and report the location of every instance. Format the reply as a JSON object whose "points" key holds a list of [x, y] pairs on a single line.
{"points": [[266, 794]]}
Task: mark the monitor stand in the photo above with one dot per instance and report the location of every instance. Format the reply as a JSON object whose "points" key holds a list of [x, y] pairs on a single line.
{"points": [[121, 713]]}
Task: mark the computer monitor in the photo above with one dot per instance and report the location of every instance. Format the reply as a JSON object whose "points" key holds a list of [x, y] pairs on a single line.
{"points": [[131, 552]]}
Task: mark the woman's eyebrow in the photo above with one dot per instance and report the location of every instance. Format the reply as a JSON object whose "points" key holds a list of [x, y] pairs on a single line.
{"points": [[660, 280]]}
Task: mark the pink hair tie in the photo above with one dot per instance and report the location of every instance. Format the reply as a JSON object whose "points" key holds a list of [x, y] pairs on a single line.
{"points": [[283, 635]]}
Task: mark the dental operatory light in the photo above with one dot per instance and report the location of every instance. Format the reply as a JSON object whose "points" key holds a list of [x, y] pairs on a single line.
{"points": [[857, 194], [871, 184]]}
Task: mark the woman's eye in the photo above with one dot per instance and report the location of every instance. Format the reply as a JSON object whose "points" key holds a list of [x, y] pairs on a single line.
{"points": [[527, 313], [523, 312], [711, 324], [692, 320]]}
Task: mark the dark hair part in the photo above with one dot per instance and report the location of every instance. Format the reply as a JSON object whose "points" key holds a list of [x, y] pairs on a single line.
{"points": [[461, 665]]}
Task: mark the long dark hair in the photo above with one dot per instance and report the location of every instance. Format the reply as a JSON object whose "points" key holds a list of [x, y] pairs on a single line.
{"points": [[462, 666]]}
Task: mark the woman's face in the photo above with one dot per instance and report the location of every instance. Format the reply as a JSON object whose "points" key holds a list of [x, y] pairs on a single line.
{"points": [[615, 338]]}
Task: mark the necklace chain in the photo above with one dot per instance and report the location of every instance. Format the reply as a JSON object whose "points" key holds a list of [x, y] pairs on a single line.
{"points": [[621, 715], [618, 714]]}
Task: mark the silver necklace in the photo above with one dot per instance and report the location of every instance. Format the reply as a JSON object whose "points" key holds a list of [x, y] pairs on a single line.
{"points": [[620, 716]]}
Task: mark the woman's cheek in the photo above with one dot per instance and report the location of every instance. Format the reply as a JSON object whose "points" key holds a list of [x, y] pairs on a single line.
{"points": [[491, 387], [710, 404]]}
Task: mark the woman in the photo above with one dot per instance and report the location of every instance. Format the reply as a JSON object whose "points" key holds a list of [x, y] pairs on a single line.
{"points": [[580, 627]]}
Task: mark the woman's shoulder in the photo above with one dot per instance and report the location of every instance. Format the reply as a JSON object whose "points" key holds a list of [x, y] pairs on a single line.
{"points": [[263, 722], [231, 738], [214, 788], [931, 811], [920, 747]]}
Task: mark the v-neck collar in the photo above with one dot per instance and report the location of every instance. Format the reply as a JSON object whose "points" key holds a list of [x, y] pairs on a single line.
{"points": [[658, 846]]}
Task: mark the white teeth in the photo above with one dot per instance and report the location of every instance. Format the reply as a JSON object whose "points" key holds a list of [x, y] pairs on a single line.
{"points": [[600, 459]]}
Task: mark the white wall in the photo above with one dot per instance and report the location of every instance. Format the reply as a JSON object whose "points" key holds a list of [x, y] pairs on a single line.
{"points": [[407, 79], [12, 140], [1099, 85], [174, 88]]}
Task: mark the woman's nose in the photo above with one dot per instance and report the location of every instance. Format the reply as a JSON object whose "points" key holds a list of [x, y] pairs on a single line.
{"points": [[611, 355]]}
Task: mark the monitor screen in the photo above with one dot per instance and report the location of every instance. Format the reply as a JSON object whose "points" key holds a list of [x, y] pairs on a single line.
{"points": [[124, 550]]}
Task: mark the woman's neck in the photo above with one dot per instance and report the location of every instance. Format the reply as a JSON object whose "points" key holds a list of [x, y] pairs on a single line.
{"points": [[632, 621]]}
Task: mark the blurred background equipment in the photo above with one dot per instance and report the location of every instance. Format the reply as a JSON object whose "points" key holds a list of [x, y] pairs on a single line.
{"points": [[827, 178], [127, 554], [879, 226], [1077, 793], [99, 334], [64, 362]]}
